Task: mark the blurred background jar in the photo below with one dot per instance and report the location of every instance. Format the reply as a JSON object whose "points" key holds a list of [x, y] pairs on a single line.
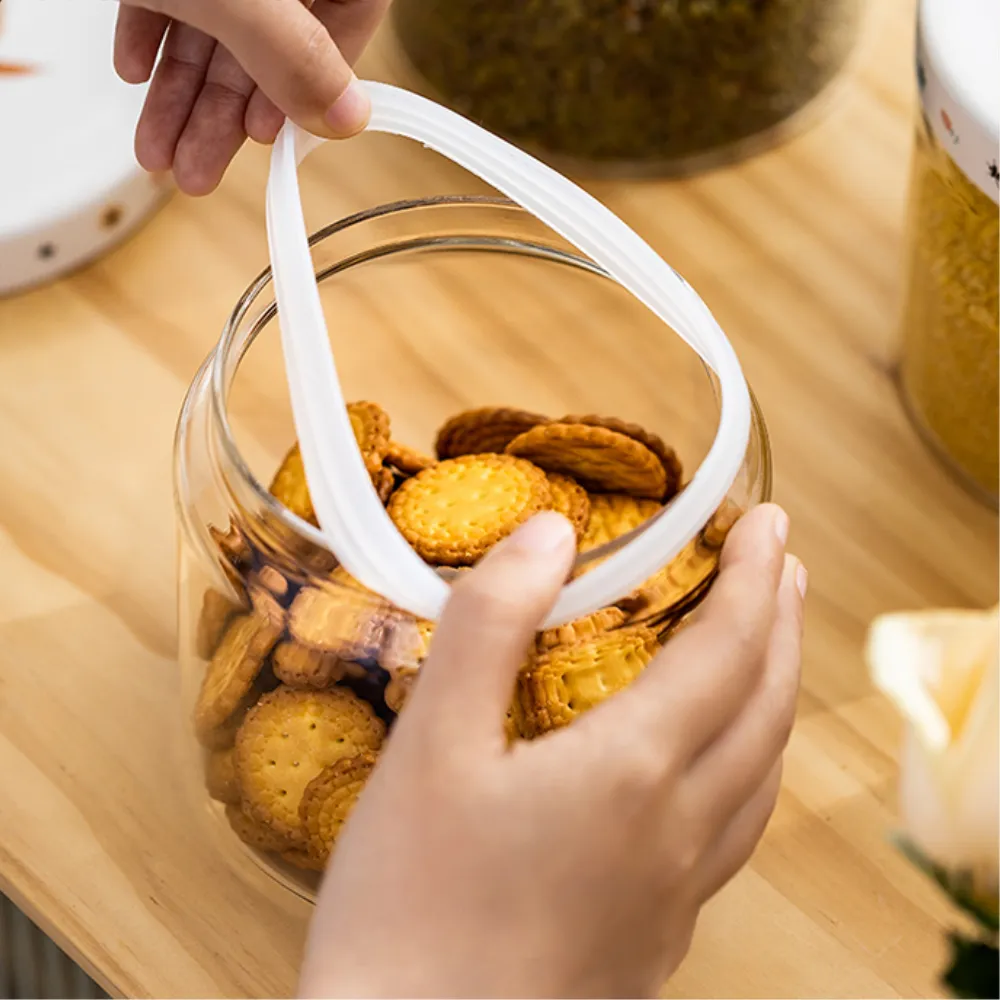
{"points": [[949, 355], [265, 612], [630, 86]]}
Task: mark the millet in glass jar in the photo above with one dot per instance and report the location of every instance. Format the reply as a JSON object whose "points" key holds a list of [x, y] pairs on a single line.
{"points": [[619, 82], [949, 364]]}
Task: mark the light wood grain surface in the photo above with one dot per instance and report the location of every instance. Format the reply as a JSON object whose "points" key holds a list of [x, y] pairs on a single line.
{"points": [[798, 253]]}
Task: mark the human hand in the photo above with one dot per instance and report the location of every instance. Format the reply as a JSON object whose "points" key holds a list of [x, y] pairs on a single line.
{"points": [[574, 864], [230, 69]]}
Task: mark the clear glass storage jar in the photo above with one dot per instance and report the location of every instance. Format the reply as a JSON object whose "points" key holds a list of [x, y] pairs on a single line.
{"points": [[628, 86], [289, 667], [950, 356]]}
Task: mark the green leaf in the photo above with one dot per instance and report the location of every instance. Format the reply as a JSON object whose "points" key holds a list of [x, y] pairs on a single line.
{"points": [[958, 885], [974, 973]]}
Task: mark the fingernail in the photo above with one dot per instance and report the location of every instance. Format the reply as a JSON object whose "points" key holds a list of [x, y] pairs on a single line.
{"points": [[802, 579], [781, 525], [547, 532], [349, 114]]}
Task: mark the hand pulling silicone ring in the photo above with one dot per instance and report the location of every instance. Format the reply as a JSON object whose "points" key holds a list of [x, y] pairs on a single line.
{"points": [[353, 520]]}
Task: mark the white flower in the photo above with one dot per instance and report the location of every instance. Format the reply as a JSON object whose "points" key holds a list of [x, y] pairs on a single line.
{"points": [[942, 671]]}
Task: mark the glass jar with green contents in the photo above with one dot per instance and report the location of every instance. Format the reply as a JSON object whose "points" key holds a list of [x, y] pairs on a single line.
{"points": [[949, 363], [630, 85]]}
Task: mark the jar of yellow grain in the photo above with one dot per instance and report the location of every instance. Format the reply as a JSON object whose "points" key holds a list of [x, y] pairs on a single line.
{"points": [[949, 356]]}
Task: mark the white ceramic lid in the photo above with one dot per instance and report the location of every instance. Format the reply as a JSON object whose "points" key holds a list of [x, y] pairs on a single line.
{"points": [[958, 70], [70, 187]]}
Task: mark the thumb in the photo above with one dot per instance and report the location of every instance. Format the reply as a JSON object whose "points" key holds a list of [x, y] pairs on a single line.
{"points": [[486, 628], [289, 53]]}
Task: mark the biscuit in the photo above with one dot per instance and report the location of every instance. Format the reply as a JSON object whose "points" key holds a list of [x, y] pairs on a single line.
{"points": [[384, 482], [302, 667], [397, 691], [676, 586], [232, 544], [656, 444], [570, 499], [408, 643], [601, 460], [297, 857], [488, 429], [289, 486], [339, 619], [407, 460], [220, 777], [255, 834], [265, 604], [232, 670], [454, 512], [714, 534], [613, 515], [603, 620], [222, 737], [287, 738], [561, 684], [217, 611], [371, 430], [328, 800]]}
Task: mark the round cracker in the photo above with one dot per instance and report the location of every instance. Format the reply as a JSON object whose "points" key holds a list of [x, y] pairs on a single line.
{"points": [[328, 801], [288, 738], [300, 666], [454, 512], [558, 686], [384, 482], [613, 515], [407, 460], [232, 670], [255, 834], [289, 486], [371, 430], [220, 776], [656, 444], [602, 620], [715, 533], [570, 499], [601, 460], [675, 586], [341, 619], [487, 429]]}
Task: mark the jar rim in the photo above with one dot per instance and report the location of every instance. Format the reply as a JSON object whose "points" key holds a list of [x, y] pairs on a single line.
{"points": [[215, 365]]}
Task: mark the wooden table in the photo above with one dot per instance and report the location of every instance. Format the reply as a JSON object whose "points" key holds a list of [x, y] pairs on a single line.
{"points": [[798, 253]]}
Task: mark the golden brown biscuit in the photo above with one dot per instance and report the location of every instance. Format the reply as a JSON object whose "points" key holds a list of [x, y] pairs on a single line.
{"points": [[300, 858], [220, 776], [328, 801], [397, 691], [217, 611], [339, 619], [570, 499], [232, 669], [371, 430], [603, 620], [454, 512], [599, 459], [255, 834], [569, 680], [289, 486], [656, 444], [302, 667], [613, 515], [675, 586], [288, 738], [265, 604], [488, 429], [232, 544], [407, 460], [384, 482], [723, 521]]}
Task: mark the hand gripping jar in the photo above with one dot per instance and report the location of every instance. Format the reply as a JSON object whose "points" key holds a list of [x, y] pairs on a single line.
{"points": [[949, 352], [630, 86], [482, 358]]}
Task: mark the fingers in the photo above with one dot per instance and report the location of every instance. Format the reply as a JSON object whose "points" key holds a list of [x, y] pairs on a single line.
{"points": [[351, 23], [486, 629], [172, 94], [138, 34], [729, 771], [694, 689], [263, 118], [292, 57], [215, 128], [739, 839]]}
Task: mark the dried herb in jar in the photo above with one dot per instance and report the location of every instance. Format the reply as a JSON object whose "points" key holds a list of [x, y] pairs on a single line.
{"points": [[949, 365], [627, 80]]}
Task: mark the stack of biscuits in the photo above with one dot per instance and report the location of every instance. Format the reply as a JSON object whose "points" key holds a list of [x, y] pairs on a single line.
{"points": [[307, 671]]}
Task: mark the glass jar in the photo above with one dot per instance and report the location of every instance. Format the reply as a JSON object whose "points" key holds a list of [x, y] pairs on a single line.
{"points": [[629, 86], [950, 345], [435, 307]]}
